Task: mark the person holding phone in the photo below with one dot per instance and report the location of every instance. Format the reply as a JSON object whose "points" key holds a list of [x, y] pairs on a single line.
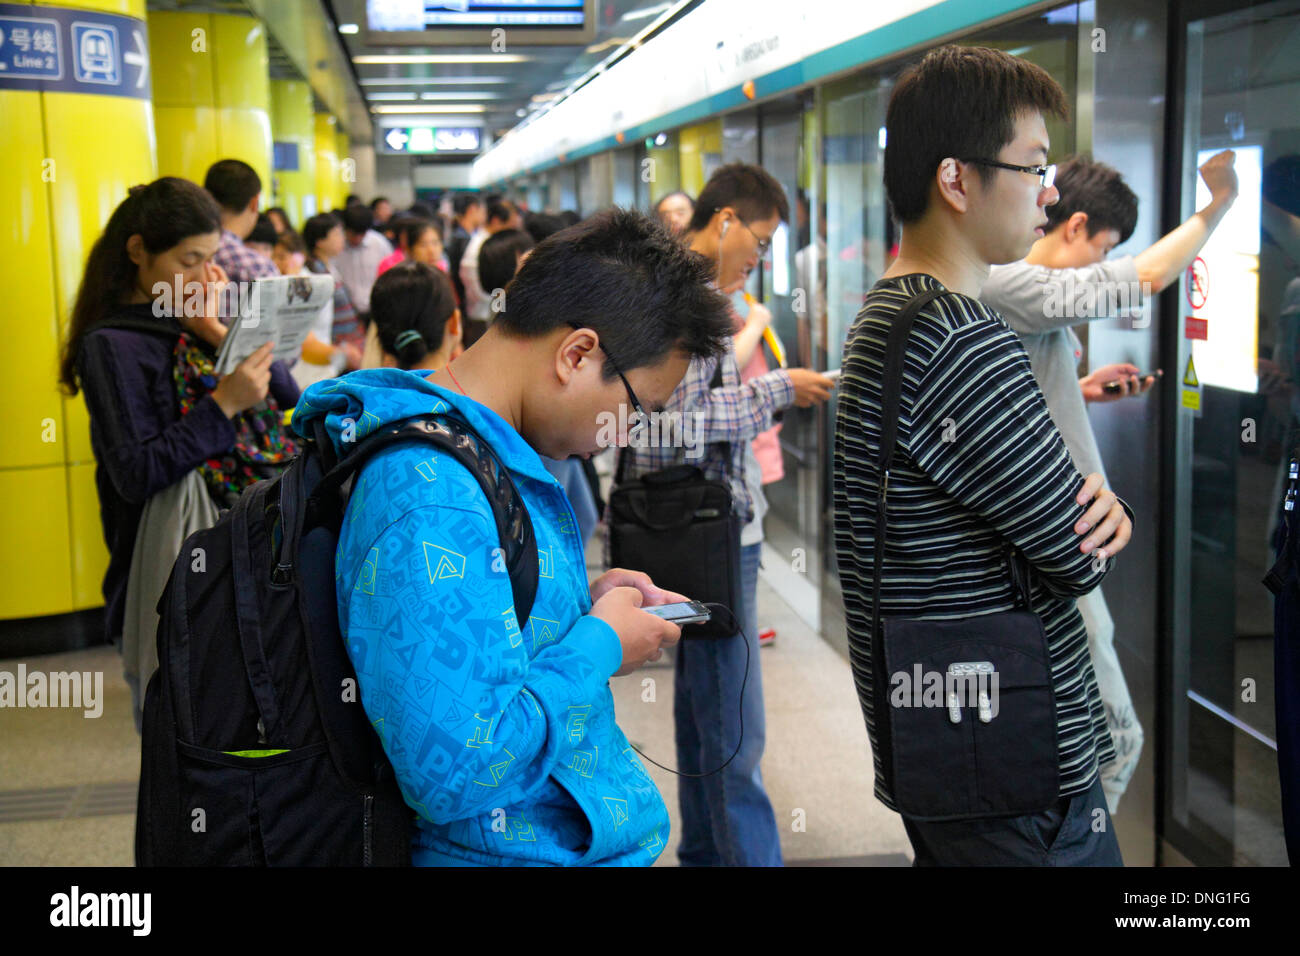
{"points": [[121, 351], [1097, 212], [500, 723]]}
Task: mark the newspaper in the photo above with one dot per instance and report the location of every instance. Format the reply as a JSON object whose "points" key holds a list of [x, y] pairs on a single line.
{"points": [[279, 310]]}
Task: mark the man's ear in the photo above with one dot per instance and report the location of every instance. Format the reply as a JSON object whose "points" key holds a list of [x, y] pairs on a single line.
{"points": [[452, 329], [1076, 227], [135, 250], [574, 352], [253, 204], [950, 181]]}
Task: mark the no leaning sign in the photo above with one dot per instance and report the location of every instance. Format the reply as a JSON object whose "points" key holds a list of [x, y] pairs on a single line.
{"points": [[61, 50]]}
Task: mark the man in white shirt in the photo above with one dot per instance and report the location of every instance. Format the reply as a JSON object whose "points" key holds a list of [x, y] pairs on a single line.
{"points": [[363, 250], [501, 214]]}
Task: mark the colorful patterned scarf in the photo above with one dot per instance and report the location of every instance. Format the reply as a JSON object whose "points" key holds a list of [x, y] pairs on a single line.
{"points": [[262, 446]]}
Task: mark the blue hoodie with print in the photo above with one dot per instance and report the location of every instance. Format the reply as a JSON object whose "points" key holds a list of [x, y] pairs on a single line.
{"points": [[503, 738]]}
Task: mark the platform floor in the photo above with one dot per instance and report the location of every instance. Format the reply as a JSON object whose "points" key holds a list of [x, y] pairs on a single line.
{"points": [[67, 782]]}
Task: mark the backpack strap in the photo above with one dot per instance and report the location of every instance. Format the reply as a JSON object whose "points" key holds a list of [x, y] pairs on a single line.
{"points": [[514, 527]]}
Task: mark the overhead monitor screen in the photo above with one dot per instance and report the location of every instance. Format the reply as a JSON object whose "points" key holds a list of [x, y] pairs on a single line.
{"points": [[392, 16]]}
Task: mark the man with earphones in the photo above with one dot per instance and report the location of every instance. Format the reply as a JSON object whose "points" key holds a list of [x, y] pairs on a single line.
{"points": [[727, 819]]}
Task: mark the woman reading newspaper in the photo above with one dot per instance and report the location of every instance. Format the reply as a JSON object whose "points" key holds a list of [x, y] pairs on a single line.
{"points": [[161, 423]]}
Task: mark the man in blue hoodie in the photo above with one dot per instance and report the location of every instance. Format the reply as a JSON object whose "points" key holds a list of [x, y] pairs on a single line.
{"points": [[502, 733]]}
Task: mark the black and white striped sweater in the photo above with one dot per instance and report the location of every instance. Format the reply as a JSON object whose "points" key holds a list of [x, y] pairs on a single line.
{"points": [[979, 463]]}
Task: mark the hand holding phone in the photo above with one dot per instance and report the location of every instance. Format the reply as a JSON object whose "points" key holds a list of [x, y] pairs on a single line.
{"points": [[1117, 387], [684, 612]]}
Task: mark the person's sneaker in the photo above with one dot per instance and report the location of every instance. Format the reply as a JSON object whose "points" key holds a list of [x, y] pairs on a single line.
{"points": [[766, 636]]}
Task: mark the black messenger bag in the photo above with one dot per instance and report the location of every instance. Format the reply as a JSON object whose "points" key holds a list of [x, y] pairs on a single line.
{"points": [[977, 738], [679, 528]]}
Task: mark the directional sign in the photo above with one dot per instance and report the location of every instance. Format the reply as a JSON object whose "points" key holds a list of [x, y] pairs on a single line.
{"points": [[428, 138], [57, 50]]}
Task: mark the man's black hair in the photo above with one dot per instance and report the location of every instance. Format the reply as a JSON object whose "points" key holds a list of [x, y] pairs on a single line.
{"points": [[750, 190], [357, 219], [1099, 190], [264, 232], [500, 210], [570, 217], [374, 203], [422, 209], [542, 225], [233, 184], [499, 256], [352, 200], [463, 202], [622, 275], [317, 228], [958, 102]]}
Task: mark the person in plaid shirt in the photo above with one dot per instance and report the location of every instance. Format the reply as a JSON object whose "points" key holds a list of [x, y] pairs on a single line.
{"points": [[237, 189], [727, 819]]}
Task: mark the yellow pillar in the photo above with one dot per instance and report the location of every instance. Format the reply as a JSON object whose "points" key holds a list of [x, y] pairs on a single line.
{"points": [[696, 144], [327, 163], [69, 158], [212, 95], [347, 167], [292, 122]]}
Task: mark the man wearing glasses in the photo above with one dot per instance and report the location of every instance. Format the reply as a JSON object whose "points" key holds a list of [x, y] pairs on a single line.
{"points": [[501, 727], [727, 819], [1067, 280], [979, 464]]}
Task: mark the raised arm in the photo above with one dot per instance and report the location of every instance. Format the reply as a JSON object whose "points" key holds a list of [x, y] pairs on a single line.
{"points": [[732, 413], [1162, 263]]}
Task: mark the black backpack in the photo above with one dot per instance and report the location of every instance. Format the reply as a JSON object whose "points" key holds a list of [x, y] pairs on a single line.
{"points": [[256, 749]]}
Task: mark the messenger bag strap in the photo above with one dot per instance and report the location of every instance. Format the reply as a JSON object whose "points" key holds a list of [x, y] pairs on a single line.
{"points": [[891, 391]]}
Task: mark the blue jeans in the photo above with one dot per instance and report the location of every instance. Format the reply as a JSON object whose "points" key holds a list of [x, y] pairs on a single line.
{"points": [[727, 819], [1075, 831]]}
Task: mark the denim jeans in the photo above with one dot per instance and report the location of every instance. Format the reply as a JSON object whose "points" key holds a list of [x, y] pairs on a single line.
{"points": [[727, 819], [1075, 831]]}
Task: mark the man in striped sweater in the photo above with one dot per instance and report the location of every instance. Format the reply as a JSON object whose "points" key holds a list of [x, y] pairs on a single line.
{"points": [[979, 462]]}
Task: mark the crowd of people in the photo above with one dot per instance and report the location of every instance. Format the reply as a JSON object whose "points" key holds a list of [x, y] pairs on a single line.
{"points": [[533, 328]]}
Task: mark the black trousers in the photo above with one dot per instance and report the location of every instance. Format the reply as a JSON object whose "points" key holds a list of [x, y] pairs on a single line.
{"points": [[1076, 831]]}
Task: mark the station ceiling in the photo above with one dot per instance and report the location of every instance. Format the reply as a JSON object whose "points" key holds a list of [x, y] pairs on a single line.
{"points": [[496, 86]]}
